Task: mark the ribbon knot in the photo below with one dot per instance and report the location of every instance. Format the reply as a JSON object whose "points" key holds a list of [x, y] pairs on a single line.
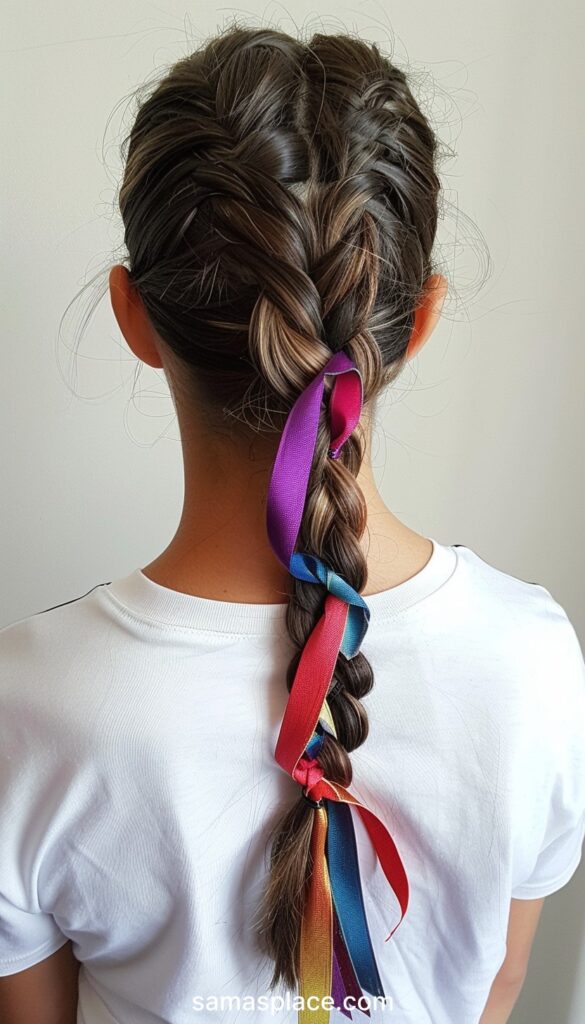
{"points": [[309, 773]]}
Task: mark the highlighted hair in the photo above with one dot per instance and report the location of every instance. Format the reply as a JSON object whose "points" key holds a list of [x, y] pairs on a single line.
{"points": [[280, 203]]}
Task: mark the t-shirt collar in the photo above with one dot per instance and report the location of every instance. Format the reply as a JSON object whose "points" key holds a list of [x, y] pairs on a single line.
{"points": [[154, 602]]}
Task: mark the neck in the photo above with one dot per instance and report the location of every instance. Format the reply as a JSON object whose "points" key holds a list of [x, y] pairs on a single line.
{"points": [[220, 549]]}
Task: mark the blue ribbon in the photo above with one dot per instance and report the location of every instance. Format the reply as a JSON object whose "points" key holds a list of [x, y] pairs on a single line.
{"points": [[313, 570], [344, 873], [315, 743]]}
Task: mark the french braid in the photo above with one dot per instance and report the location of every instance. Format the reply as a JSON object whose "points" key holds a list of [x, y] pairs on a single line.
{"points": [[280, 204]]}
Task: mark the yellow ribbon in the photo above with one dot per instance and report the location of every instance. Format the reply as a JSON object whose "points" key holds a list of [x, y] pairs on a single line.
{"points": [[316, 952]]}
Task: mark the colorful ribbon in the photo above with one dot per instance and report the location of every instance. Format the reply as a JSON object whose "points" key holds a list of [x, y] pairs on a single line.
{"points": [[336, 953], [287, 491]]}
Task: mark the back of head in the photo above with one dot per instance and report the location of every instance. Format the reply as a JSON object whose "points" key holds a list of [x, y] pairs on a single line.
{"points": [[280, 203]]}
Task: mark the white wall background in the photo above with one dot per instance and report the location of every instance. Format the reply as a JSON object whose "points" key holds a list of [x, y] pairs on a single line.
{"points": [[482, 440]]}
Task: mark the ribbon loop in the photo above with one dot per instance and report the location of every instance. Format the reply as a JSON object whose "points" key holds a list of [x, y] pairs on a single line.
{"points": [[344, 402], [312, 569], [287, 490]]}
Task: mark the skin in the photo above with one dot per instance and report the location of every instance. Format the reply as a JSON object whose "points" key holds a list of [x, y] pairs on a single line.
{"points": [[46, 993], [225, 486], [508, 982], [221, 536]]}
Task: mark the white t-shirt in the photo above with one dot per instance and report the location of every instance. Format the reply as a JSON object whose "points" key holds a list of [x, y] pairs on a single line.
{"points": [[138, 786]]}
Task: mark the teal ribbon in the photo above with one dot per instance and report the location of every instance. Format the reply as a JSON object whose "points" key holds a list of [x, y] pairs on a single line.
{"points": [[313, 570], [346, 889]]}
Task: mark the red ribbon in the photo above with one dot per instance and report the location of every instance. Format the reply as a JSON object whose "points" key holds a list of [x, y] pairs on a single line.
{"points": [[308, 692]]}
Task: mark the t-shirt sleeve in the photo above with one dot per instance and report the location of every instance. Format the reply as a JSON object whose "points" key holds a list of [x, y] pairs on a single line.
{"points": [[556, 811], [28, 934], [26, 937], [556, 864]]}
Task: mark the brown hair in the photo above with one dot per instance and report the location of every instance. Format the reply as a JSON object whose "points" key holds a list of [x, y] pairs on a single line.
{"points": [[280, 202]]}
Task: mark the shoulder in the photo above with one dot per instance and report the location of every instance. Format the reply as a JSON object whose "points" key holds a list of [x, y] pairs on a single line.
{"points": [[49, 666], [496, 582], [50, 616], [519, 603], [533, 681], [41, 653], [527, 634], [54, 668]]}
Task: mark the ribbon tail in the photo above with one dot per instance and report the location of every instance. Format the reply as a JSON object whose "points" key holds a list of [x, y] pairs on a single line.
{"points": [[383, 844], [342, 857], [338, 989], [351, 985], [389, 858], [316, 945]]}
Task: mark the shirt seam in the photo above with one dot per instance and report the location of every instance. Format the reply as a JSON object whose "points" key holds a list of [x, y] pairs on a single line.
{"points": [[148, 620]]}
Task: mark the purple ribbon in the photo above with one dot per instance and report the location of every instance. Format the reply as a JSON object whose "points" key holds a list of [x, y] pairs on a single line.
{"points": [[287, 491]]}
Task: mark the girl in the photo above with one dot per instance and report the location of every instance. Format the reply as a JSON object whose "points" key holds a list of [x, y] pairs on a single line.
{"points": [[184, 834]]}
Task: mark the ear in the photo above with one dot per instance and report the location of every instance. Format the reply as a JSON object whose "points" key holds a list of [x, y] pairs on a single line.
{"points": [[132, 317], [427, 312]]}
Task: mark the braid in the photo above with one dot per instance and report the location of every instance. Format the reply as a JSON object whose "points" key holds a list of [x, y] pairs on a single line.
{"points": [[280, 207], [333, 522]]}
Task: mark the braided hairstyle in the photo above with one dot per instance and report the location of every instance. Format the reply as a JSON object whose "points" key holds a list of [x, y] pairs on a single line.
{"points": [[280, 202]]}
